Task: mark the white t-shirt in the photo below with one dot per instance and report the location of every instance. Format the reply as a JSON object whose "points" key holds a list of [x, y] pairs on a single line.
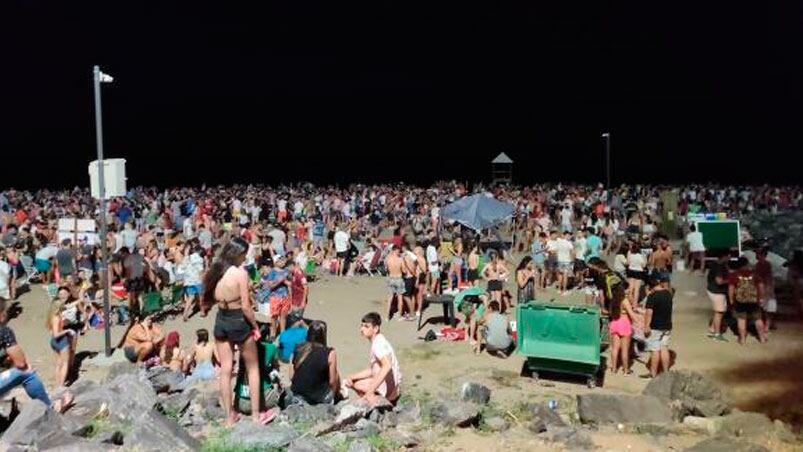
{"points": [[695, 241], [636, 262], [298, 208], [190, 270], [341, 241], [187, 229], [279, 237], [649, 228], [564, 249], [5, 279], [566, 217], [47, 252], [432, 259], [380, 348], [436, 212], [620, 263], [580, 247], [129, 237]]}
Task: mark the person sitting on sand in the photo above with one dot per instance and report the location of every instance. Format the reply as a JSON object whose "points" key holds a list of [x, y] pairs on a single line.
{"points": [[143, 340], [495, 333], [383, 376]]}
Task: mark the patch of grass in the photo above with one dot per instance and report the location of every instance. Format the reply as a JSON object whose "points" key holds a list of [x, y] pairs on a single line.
{"points": [[341, 446], [522, 411], [420, 352], [171, 413], [222, 441], [381, 444]]}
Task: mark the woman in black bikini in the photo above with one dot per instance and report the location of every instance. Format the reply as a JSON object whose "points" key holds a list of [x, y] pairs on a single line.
{"points": [[226, 284]]}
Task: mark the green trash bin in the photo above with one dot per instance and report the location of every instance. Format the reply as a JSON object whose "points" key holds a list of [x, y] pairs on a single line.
{"points": [[560, 338], [267, 355]]}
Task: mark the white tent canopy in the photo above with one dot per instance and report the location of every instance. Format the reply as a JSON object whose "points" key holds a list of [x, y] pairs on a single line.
{"points": [[502, 158]]}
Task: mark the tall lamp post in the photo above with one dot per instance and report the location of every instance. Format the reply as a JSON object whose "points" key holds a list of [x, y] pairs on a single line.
{"points": [[607, 137], [99, 77]]}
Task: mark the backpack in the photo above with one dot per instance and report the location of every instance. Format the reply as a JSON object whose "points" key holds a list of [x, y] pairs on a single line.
{"points": [[746, 290]]}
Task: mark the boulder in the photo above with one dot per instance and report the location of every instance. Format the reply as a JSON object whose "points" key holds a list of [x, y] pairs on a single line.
{"points": [[361, 445], [743, 424], [311, 414], [349, 413], [309, 445], [152, 431], [690, 392], [177, 404], [36, 427], [606, 408], [125, 398], [274, 435], [474, 392], [162, 379], [455, 413], [402, 438], [364, 428], [496, 424], [544, 418], [572, 438], [725, 445], [120, 368], [82, 446]]}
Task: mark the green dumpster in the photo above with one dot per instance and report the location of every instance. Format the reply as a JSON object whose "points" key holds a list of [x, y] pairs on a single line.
{"points": [[560, 338]]}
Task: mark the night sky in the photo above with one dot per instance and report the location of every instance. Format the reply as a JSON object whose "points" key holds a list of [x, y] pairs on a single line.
{"points": [[390, 90]]}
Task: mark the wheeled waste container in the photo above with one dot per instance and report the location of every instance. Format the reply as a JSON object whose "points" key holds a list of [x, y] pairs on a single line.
{"points": [[560, 338]]}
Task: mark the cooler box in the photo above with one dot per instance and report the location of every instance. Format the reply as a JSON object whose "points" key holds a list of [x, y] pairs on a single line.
{"points": [[560, 338]]}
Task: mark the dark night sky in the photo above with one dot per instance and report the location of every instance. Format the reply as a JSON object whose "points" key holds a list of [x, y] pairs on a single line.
{"points": [[390, 90]]}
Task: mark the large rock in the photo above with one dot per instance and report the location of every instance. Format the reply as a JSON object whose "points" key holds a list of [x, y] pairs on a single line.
{"points": [[572, 438], [153, 431], [309, 445], [310, 414], [402, 438], [455, 413], [496, 424], [120, 368], [162, 379], [606, 408], [82, 446], [177, 404], [725, 445], [125, 398], [274, 435], [36, 427], [474, 392], [348, 414], [361, 445], [743, 424], [691, 393], [544, 418], [364, 428]]}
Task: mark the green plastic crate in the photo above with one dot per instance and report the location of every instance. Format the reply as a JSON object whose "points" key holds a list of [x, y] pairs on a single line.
{"points": [[559, 337]]}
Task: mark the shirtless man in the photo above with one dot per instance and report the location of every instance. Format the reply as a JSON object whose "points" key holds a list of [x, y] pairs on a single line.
{"points": [[473, 266], [661, 259], [202, 356], [394, 264], [409, 269], [421, 279]]}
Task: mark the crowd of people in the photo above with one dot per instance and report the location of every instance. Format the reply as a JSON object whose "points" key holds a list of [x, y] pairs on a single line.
{"points": [[253, 250]]}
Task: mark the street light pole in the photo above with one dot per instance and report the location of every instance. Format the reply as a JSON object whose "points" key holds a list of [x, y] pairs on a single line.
{"points": [[607, 137], [104, 273]]}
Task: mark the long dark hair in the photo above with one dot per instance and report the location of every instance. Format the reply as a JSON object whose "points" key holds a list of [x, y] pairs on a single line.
{"points": [[618, 292], [231, 255], [316, 339], [524, 261]]}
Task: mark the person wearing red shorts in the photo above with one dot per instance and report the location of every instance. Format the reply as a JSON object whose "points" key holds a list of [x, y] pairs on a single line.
{"points": [[621, 330], [278, 283]]}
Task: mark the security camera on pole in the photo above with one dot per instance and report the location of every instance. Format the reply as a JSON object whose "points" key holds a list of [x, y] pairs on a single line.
{"points": [[98, 174]]}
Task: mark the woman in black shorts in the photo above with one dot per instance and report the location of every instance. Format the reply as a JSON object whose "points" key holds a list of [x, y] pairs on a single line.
{"points": [[226, 284]]}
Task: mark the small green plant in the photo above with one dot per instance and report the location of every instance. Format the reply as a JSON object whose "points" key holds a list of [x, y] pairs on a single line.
{"points": [[381, 444], [222, 441]]}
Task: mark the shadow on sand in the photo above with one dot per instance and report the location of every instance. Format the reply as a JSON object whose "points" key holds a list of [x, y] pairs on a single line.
{"points": [[785, 403]]}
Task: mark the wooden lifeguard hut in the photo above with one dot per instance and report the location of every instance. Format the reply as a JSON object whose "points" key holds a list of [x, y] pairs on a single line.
{"points": [[502, 169]]}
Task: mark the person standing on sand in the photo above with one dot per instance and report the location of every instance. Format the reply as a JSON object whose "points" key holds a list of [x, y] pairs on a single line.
{"points": [[658, 325], [474, 264], [410, 280], [394, 264]]}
